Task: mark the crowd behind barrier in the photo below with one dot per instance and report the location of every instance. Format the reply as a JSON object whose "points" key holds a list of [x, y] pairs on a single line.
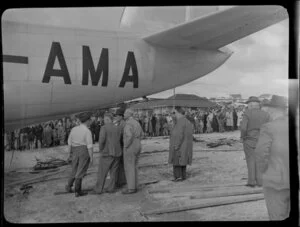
{"points": [[55, 133]]}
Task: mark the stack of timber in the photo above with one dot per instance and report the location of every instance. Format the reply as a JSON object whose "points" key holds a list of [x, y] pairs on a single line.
{"points": [[186, 188], [221, 142], [209, 196], [49, 164]]}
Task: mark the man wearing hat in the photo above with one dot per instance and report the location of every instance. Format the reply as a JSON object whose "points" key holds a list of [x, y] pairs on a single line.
{"points": [[132, 149], [272, 152], [110, 153], [80, 144], [253, 119], [120, 123], [181, 145]]}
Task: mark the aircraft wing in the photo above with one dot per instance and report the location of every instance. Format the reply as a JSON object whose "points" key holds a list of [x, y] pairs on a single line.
{"points": [[220, 28]]}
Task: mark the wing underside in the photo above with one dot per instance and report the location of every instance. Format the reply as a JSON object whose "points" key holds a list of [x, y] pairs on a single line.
{"points": [[220, 28]]}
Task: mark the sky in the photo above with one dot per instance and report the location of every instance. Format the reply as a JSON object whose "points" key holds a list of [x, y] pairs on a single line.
{"points": [[258, 66]]}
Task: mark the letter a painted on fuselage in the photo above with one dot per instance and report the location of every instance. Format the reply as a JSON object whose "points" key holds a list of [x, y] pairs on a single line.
{"points": [[130, 63], [88, 67], [56, 52]]}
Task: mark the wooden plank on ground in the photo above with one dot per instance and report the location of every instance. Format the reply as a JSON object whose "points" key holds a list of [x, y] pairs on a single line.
{"points": [[198, 150], [149, 182], [86, 191], [152, 152], [235, 192], [162, 164], [185, 188], [227, 201], [219, 150], [152, 165]]}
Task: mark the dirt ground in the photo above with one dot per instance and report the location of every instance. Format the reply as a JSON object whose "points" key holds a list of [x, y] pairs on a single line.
{"points": [[210, 166]]}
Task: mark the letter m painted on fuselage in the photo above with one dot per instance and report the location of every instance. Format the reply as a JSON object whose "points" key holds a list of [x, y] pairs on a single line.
{"points": [[88, 67]]}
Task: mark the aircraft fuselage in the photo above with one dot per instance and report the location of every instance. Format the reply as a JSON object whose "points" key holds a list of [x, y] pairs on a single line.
{"points": [[50, 72]]}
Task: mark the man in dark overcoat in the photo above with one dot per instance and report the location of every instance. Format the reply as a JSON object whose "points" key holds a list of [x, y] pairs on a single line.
{"points": [[181, 145]]}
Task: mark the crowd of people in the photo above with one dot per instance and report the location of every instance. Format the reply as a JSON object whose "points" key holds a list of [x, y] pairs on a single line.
{"points": [[49, 134], [217, 119], [56, 132]]}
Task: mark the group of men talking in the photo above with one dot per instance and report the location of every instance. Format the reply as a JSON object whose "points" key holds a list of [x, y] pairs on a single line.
{"points": [[119, 147], [264, 133]]}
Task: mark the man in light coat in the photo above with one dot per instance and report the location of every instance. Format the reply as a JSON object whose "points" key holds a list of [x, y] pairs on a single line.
{"points": [[132, 149], [272, 153], [181, 145], [253, 119]]}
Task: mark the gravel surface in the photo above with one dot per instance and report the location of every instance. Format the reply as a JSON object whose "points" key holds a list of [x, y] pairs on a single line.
{"points": [[39, 205]]}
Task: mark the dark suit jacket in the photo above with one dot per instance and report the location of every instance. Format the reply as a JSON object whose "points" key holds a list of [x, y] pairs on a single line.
{"points": [[109, 140]]}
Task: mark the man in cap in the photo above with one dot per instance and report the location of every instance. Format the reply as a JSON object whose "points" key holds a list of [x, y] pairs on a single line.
{"points": [[272, 153], [80, 144], [253, 119], [132, 149]]}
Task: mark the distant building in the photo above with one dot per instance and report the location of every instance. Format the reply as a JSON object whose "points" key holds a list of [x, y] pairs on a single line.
{"points": [[164, 105], [233, 98], [236, 97], [265, 96]]}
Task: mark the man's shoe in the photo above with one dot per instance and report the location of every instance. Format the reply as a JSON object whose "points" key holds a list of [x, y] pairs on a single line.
{"points": [[77, 190], [78, 194], [109, 190], [250, 185], [68, 189], [129, 191], [177, 179], [93, 192]]}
